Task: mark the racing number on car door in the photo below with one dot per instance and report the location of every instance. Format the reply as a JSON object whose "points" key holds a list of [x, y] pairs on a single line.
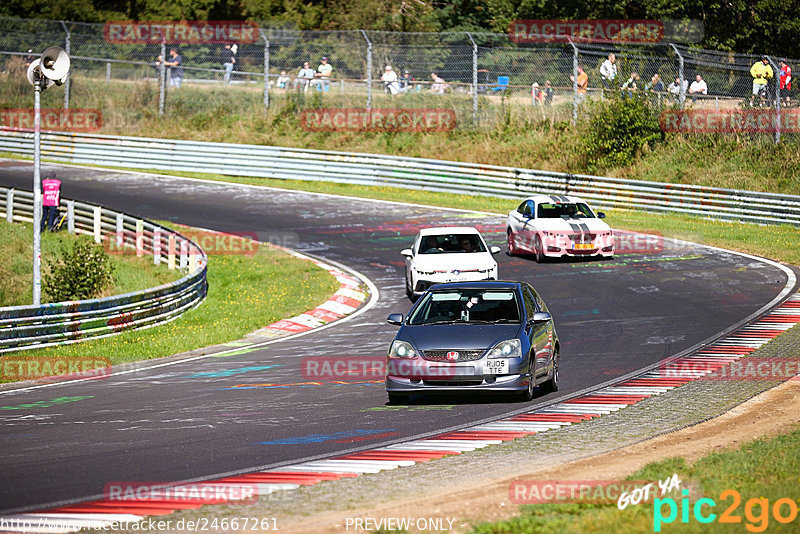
{"points": [[538, 335]]}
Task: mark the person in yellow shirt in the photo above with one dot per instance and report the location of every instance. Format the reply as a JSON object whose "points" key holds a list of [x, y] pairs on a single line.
{"points": [[583, 83], [761, 71]]}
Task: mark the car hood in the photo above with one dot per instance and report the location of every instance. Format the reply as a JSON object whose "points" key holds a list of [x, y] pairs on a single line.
{"points": [[448, 262], [571, 226], [458, 336]]}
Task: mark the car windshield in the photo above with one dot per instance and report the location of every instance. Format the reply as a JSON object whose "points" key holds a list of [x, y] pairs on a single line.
{"points": [[451, 243], [467, 306], [565, 210]]}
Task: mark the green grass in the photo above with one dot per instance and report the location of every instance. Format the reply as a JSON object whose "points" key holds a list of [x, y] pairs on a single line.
{"points": [[764, 468], [16, 278], [245, 293]]}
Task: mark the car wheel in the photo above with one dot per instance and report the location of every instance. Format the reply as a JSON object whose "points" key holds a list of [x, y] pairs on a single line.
{"points": [[552, 384], [397, 398], [511, 241], [538, 249], [527, 394], [409, 293]]}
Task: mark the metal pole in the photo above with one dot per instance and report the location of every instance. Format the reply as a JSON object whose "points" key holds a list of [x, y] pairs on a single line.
{"points": [[682, 97], [162, 79], [474, 80], [776, 76], [574, 83], [266, 69], [369, 70], [67, 50], [37, 193]]}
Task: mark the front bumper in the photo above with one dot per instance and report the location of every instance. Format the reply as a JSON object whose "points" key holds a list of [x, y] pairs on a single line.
{"points": [[406, 376], [427, 280]]}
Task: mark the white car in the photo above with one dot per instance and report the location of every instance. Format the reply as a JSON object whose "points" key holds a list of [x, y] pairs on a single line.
{"points": [[447, 254], [552, 226]]}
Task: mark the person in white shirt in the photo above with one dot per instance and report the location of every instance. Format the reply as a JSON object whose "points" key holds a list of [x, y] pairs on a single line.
{"points": [[283, 80], [389, 79], [304, 76], [608, 71], [698, 87]]}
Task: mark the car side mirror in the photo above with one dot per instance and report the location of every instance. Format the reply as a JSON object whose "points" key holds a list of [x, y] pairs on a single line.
{"points": [[406, 252], [540, 317], [395, 318], [601, 215], [494, 250]]}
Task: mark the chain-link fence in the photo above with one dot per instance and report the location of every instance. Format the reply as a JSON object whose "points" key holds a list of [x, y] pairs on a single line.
{"points": [[481, 77]]}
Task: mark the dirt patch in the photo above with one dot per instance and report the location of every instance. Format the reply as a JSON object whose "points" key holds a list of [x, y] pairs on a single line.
{"points": [[770, 413]]}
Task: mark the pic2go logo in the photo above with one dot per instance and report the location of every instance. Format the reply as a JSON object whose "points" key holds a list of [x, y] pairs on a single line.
{"points": [[756, 511]]}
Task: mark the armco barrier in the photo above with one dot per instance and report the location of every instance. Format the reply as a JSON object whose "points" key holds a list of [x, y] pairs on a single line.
{"points": [[411, 173], [25, 327]]}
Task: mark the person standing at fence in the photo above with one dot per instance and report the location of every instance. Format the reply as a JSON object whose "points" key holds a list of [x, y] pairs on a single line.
{"points": [[51, 199], [631, 85], [762, 73], [228, 62], [785, 78], [438, 86], [323, 74], [304, 76], [698, 87], [389, 79], [583, 83], [176, 68], [548, 93], [608, 71], [283, 80]]}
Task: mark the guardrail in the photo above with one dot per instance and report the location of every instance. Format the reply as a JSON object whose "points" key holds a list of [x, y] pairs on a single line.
{"points": [[26, 327], [411, 173]]}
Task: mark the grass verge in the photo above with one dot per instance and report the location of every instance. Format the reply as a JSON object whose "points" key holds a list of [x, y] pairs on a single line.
{"points": [[765, 471], [16, 279], [245, 293]]}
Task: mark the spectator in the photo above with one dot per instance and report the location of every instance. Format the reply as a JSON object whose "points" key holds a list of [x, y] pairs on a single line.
{"points": [[675, 88], [51, 199], [30, 58], [608, 71], [761, 71], [389, 79], [655, 84], [176, 68], [631, 84], [406, 82], [785, 78], [583, 83], [548, 93], [439, 85], [698, 87], [537, 95], [304, 76], [324, 74], [228, 61], [157, 65], [283, 80]]}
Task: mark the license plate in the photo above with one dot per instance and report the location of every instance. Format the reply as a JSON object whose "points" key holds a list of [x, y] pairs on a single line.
{"points": [[583, 246], [496, 367]]}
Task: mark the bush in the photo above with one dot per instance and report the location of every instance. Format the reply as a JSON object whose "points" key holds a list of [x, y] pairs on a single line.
{"points": [[618, 130], [82, 272]]}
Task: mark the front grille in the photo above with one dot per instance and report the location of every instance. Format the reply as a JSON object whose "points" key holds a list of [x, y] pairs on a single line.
{"points": [[582, 238], [452, 382], [463, 355]]}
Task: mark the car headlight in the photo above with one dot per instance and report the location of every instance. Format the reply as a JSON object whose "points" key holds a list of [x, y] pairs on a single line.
{"points": [[401, 349], [510, 348]]}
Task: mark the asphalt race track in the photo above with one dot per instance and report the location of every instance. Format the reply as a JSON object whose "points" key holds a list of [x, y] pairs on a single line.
{"points": [[211, 416]]}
